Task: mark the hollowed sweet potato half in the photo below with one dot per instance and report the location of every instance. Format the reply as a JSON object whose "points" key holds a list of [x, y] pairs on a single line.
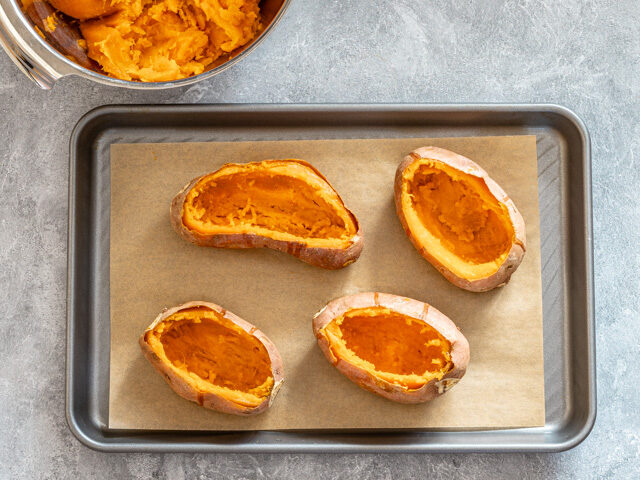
{"points": [[459, 219], [286, 205], [214, 358], [397, 347]]}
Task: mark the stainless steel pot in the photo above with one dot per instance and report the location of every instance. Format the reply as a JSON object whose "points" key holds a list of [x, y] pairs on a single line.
{"points": [[45, 65]]}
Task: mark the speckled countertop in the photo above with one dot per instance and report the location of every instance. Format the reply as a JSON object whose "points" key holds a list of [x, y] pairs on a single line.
{"points": [[584, 54]]}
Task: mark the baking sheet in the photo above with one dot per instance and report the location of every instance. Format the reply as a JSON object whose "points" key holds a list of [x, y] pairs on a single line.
{"points": [[152, 268]]}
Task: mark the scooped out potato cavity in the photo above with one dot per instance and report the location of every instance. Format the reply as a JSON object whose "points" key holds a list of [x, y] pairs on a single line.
{"points": [[286, 205], [214, 358], [396, 347], [459, 219]]}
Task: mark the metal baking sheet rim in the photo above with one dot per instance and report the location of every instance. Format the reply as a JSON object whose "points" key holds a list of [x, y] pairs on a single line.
{"points": [[103, 439]]}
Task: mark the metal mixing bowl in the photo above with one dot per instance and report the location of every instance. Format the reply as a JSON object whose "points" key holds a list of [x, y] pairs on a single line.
{"points": [[45, 65]]}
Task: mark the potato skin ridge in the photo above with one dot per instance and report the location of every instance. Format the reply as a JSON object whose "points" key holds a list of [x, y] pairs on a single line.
{"points": [[328, 258], [518, 248], [460, 353], [187, 390]]}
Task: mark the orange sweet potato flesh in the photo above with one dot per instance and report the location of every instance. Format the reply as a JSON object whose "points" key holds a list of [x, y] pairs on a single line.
{"points": [[286, 205], [393, 342], [85, 9], [399, 348], [215, 352], [459, 218], [162, 40], [212, 357], [476, 227], [274, 202]]}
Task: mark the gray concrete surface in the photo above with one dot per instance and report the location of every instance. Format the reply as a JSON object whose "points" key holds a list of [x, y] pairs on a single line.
{"points": [[584, 54]]}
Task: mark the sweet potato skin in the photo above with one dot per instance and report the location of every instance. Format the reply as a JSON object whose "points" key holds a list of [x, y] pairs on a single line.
{"points": [[65, 37], [518, 248], [329, 258], [460, 353], [183, 387]]}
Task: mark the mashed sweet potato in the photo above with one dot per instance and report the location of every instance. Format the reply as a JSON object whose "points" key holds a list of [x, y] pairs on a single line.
{"points": [[162, 40]]}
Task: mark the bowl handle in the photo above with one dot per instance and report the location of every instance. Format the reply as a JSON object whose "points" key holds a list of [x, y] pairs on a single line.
{"points": [[43, 76]]}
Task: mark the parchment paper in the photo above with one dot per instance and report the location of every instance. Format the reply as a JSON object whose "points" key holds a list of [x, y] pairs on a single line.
{"points": [[153, 268]]}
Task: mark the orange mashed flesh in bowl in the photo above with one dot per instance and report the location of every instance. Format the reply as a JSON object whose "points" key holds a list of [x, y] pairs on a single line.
{"points": [[162, 40]]}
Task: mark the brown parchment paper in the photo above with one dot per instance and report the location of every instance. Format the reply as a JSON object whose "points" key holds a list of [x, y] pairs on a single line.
{"points": [[153, 268]]}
